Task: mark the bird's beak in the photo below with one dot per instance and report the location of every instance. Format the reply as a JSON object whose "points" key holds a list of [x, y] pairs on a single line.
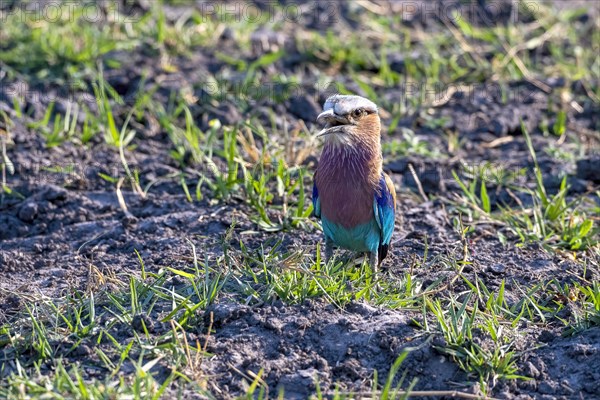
{"points": [[330, 119]]}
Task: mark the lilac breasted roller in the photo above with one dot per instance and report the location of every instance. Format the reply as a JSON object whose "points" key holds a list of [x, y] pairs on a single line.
{"points": [[353, 197]]}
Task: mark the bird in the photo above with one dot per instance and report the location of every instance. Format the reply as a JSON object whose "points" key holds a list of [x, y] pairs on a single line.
{"points": [[352, 196]]}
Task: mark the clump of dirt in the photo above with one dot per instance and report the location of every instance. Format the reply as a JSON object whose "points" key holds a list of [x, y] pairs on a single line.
{"points": [[298, 344]]}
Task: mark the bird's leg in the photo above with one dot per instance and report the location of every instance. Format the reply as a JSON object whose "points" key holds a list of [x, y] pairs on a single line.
{"points": [[374, 263], [328, 250]]}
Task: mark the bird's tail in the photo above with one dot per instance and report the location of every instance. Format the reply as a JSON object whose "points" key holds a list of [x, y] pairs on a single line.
{"points": [[382, 253]]}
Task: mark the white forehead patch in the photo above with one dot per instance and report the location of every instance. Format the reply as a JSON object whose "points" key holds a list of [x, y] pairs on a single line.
{"points": [[344, 104]]}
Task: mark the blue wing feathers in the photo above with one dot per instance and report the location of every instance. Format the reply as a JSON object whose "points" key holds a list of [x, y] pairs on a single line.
{"points": [[315, 200], [385, 215], [385, 211]]}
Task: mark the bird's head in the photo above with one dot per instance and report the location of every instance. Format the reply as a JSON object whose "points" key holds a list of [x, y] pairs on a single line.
{"points": [[349, 120]]}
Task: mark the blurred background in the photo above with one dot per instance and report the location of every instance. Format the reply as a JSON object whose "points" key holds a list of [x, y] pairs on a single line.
{"points": [[456, 82]]}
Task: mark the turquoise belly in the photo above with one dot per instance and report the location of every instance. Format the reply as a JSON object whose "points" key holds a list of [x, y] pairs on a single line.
{"points": [[364, 237]]}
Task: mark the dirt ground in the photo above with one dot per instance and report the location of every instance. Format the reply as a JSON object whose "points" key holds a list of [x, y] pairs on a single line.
{"points": [[66, 224]]}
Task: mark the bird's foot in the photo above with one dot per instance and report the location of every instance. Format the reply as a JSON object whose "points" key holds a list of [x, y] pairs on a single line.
{"points": [[374, 263]]}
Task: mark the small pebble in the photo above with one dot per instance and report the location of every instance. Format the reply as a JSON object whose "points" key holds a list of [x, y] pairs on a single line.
{"points": [[28, 212]]}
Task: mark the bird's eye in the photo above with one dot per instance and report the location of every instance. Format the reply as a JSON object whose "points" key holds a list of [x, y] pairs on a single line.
{"points": [[357, 113]]}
